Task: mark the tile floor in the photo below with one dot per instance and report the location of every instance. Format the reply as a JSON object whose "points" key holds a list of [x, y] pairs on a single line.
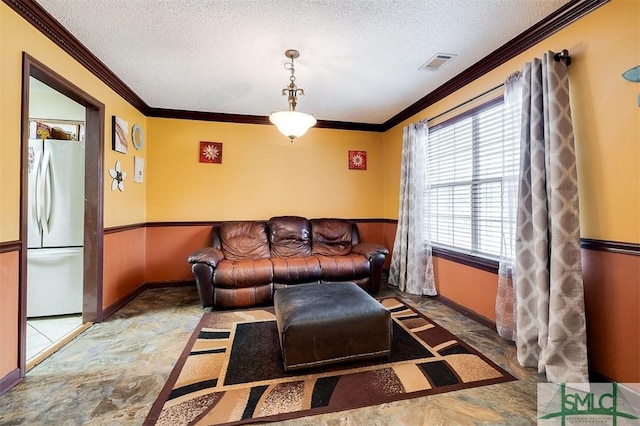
{"points": [[44, 332], [113, 371]]}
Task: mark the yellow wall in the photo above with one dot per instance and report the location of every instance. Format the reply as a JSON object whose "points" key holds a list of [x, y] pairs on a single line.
{"points": [[606, 118], [262, 174], [17, 36], [122, 208]]}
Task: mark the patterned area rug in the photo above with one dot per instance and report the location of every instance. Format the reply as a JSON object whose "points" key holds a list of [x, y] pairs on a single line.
{"points": [[231, 372]]}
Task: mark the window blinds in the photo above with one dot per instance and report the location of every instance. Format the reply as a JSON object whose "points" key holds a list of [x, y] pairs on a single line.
{"points": [[470, 158]]}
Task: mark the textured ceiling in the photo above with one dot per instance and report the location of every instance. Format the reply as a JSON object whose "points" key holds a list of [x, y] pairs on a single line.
{"points": [[359, 59]]}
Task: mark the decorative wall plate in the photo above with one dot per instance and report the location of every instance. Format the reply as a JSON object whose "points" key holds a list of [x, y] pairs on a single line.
{"points": [[137, 137]]}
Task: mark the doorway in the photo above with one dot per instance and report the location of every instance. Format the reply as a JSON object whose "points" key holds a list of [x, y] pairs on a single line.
{"points": [[55, 220], [92, 232]]}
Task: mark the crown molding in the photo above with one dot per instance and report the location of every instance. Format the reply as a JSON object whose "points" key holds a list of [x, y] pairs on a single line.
{"points": [[34, 14], [253, 119], [558, 20]]}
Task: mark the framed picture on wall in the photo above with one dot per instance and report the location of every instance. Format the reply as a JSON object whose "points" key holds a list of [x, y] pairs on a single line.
{"points": [[357, 160], [120, 135], [211, 152]]}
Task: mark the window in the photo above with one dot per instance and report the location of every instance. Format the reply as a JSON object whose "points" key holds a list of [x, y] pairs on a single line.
{"points": [[471, 161]]}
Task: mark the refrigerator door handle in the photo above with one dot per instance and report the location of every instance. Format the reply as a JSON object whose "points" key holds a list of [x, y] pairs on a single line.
{"points": [[34, 189], [49, 193], [44, 192]]}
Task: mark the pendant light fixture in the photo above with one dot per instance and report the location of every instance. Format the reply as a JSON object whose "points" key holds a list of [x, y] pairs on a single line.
{"points": [[292, 123]]}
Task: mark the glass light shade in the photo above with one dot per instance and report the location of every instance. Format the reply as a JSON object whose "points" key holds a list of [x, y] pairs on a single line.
{"points": [[292, 124]]}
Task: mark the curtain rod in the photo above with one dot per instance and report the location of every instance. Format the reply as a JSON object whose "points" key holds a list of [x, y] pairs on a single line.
{"points": [[560, 56], [468, 101]]}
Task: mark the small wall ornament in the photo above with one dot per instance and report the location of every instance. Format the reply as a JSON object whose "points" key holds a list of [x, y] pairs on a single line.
{"points": [[633, 75], [138, 169], [357, 160], [211, 152], [118, 177]]}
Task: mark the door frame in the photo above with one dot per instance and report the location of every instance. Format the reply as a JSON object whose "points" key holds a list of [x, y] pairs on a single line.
{"points": [[93, 196]]}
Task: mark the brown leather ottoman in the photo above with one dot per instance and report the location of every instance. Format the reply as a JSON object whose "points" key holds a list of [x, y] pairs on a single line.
{"points": [[328, 323]]}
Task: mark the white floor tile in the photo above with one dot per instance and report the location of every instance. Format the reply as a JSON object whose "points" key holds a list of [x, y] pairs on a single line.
{"points": [[43, 332], [37, 343], [31, 331]]}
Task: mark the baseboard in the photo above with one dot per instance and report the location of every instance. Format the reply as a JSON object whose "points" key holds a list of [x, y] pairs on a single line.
{"points": [[164, 284], [466, 312], [10, 380], [596, 377], [113, 308]]}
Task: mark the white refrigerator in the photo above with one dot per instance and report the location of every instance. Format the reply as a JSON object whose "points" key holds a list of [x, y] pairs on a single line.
{"points": [[55, 227]]}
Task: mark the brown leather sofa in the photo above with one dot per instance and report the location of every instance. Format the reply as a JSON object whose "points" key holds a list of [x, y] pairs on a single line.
{"points": [[248, 260]]}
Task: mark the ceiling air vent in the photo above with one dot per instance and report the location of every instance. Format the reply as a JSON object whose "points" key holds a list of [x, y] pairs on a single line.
{"points": [[437, 61]]}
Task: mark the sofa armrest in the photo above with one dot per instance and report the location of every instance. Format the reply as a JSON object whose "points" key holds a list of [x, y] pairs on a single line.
{"points": [[369, 250], [209, 255], [203, 263]]}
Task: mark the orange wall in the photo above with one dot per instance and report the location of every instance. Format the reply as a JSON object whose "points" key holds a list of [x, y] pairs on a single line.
{"points": [[612, 295], [470, 287], [371, 232], [8, 312], [168, 250], [124, 264]]}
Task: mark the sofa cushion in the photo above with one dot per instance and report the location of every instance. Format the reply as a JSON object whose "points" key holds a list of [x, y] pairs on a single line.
{"points": [[331, 237], [243, 273], [244, 240], [290, 236], [340, 268], [295, 270], [243, 297]]}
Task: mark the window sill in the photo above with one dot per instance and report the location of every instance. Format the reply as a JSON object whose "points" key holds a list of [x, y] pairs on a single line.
{"points": [[466, 259]]}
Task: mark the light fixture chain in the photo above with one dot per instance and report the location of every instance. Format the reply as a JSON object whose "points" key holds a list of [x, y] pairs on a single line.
{"points": [[292, 91]]}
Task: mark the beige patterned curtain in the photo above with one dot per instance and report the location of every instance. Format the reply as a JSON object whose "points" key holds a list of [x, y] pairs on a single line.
{"points": [[551, 326], [411, 267]]}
